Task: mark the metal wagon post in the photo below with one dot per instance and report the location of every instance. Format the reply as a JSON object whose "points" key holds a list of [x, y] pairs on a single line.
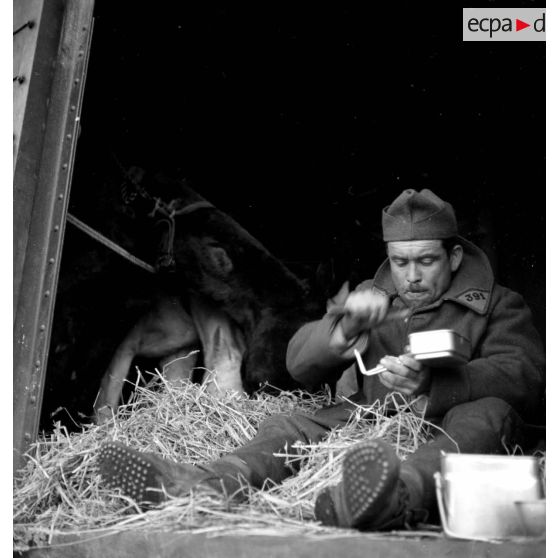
{"points": [[51, 65]]}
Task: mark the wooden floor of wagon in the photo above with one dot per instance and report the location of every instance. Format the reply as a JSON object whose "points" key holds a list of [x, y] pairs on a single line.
{"points": [[346, 544]]}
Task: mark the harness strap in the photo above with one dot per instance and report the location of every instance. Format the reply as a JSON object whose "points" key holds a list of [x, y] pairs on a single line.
{"points": [[166, 257], [194, 206], [168, 210]]}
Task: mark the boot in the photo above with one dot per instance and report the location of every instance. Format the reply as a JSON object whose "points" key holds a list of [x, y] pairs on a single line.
{"points": [[374, 493], [146, 477]]}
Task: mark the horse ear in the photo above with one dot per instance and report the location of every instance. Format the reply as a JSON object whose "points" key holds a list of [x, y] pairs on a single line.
{"points": [[135, 174], [220, 260]]}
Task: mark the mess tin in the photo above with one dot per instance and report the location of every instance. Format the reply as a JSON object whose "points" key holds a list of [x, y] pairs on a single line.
{"points": [[478, 494], [440, 347]]}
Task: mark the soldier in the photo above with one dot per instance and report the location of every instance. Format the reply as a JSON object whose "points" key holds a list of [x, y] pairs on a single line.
{"points": [[442, 281]]}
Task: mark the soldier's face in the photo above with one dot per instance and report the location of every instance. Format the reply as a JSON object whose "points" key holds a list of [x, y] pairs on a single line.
{"points": [[421, 269]]}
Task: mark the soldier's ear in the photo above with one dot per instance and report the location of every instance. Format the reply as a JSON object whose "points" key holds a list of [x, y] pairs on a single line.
{"points": [[456, 257]]}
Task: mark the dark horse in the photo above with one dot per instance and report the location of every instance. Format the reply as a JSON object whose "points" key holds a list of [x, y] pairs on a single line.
{"points": [[222, 289], [216, 260]]}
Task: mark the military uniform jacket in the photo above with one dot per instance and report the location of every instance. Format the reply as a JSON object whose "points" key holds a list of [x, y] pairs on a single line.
{"points": [[507, 354]]}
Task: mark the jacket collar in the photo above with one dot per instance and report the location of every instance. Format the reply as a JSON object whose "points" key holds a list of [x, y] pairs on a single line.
{"points": [[471, 285]]}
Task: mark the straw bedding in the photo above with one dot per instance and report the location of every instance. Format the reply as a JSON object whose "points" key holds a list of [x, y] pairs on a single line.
{"points": [[58, 491]]}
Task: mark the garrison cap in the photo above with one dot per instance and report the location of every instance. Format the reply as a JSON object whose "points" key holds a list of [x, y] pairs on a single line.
{"points": [[418, 216]]}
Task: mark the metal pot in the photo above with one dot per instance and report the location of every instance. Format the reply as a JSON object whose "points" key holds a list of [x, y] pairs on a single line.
{"points": [[477, 493]]}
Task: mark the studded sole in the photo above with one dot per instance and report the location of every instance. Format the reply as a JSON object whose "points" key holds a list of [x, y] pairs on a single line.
{"points": [[133, 472], [370, 472]]}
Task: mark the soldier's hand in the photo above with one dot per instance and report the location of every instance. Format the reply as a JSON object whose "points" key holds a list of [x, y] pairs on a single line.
{"points": [[363, 311], [405, 374]]}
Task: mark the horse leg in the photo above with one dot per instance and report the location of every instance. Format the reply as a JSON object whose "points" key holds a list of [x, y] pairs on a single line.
{"points": [[165, 332], [108, 397], [223, 347]]}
